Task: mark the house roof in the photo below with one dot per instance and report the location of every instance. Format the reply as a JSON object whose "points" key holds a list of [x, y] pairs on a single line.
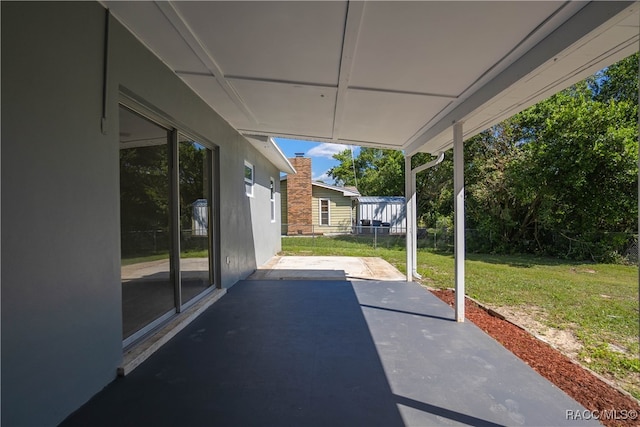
{"points": [[381, 199], [385, 74], [268, 147], [346, 191]]}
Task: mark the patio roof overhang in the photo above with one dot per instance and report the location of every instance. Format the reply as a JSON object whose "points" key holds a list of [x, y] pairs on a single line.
{"points": [[388, 74], [381, 73]]}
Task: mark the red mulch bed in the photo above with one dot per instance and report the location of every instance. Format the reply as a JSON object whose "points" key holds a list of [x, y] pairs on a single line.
{"points": [[587, 389]]}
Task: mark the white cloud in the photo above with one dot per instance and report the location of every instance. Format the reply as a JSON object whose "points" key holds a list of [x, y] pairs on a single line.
{"points": [[326, 150], [324, 177]]}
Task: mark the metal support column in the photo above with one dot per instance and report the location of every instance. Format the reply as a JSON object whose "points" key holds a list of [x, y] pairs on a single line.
{"points": [[409, 200], [458, 187]]}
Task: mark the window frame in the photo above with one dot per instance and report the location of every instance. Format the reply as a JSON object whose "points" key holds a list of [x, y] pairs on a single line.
{"points": [[328, 212], [249, 181], [272, 198]]}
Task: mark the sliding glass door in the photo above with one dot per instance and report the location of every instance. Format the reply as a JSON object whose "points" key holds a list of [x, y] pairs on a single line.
{"points": [[147, 285], [195, 205], [166, 226]]}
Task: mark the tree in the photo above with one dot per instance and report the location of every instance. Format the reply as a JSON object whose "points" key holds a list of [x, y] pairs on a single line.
{"points": [[618, 82], [192, 179], [377, 172], [567, 165], [381, 173], [144, 188], [491, 203], [582, 156]]}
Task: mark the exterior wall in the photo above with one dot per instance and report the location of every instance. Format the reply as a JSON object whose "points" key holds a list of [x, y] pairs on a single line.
{"points": [[61, 290], [265, 234], [299, 215], [283, 206], [340, 209]]}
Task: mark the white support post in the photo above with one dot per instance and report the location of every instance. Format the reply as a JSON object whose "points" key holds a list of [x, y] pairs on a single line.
{"points": [[458, 186], [414, 228], [409, 200]]}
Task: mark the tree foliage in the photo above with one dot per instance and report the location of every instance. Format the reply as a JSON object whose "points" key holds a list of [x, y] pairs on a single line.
{"points": [[145, 183], [374, 171], [566, 166]]}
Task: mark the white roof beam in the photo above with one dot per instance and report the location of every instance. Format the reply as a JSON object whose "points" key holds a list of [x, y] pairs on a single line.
{"points": [[355, 12], [179, 23]]}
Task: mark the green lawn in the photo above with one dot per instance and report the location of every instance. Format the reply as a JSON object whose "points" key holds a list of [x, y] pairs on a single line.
{"points": [[597, 302]]}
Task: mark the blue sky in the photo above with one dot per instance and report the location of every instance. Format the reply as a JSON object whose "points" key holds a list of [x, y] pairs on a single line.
{"points": [[321, 154]]}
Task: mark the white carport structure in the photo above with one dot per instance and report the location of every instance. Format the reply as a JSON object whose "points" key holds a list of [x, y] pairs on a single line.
{"points": [[398, 75]]}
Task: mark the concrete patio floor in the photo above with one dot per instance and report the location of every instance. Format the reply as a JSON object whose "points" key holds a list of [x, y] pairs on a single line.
{"points": [[326, 268], [329, 353]]}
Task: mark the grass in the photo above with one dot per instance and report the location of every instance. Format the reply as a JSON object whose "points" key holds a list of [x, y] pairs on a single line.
{"points": [[597, 302]]}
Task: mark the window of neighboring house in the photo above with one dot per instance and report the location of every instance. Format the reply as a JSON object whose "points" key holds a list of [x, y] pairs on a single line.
{"points": [[272, 198], [324, 212], [248, 178]]}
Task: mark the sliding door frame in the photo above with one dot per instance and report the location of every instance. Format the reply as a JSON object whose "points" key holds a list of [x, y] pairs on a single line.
{"points": [[131, 102]]}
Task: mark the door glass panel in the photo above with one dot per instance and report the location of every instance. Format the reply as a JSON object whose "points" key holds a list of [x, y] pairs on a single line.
{"points": [[195, 224], [147, 288]]}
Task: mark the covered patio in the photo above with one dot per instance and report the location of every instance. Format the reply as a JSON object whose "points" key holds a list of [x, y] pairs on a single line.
{"points": [[417, 76], [224, 78], [330, 352]]}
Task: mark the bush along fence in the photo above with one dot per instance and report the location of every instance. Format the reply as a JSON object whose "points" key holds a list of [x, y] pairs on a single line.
{"points": [[607, 247]]}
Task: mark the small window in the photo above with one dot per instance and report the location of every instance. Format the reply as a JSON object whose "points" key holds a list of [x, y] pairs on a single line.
{"points": [[248, 178], [272, 198], [324, 212]]}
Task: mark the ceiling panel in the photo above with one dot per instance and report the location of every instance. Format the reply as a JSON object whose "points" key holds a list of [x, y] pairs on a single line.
{"points": [[439, 47], [385, 117], [385, 73], [576, 63], [208, 88], [289, 108], [151, 26], [286, 41]]}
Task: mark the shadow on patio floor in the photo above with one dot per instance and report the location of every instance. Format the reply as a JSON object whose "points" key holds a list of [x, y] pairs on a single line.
{"points": [[328, 353]]}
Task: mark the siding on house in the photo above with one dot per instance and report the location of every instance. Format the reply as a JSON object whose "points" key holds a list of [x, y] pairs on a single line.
{"points": [[340, 211]]}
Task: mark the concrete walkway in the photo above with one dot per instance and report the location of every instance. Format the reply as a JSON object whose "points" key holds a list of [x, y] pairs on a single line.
{"points": [[329, 353], [326, 268]]}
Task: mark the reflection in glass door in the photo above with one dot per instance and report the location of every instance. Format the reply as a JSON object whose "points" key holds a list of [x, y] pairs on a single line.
{"points": [[195, 213], [147, 285], [166, 223]]}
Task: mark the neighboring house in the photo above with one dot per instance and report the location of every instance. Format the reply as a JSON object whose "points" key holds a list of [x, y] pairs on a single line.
{"points": [[315, 207]]}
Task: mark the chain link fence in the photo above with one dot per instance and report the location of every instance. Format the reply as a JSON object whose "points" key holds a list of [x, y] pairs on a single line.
{"points": [[608, 247], [153, 242]]}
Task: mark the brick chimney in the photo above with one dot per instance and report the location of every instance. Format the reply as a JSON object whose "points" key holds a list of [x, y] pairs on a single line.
{"points": [[299, 196]]}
